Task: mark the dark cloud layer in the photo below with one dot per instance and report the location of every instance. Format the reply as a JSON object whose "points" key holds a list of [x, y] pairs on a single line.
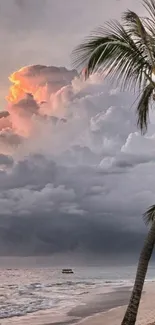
{"points": [[41, 216], [52, 235]]}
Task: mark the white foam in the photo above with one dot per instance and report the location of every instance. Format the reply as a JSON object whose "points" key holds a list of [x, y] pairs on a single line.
{"points": [[27, 291]]}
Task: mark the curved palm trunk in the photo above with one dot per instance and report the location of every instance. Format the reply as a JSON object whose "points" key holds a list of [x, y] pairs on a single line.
{"points": [[132, 309]]}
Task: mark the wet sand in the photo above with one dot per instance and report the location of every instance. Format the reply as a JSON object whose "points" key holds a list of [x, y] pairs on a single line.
{"points": [[63, 323], [146, 313], [102, 303]]}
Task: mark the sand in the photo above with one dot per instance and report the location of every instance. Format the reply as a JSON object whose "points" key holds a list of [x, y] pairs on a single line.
{"points": [[105, 309], [101, 303], [146, 314]]}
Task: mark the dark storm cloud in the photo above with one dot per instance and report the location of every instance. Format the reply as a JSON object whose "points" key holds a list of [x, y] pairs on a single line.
{"points": [[6, 160], [4, 114], [50, 235], [61, 209]]}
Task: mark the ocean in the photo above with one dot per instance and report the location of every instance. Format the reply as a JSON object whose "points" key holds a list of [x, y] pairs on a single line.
{"points": [[25, 291]]}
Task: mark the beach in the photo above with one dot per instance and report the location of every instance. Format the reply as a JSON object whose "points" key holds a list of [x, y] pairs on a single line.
{"points": [[114, 316], [92, 295], [106, 309]]}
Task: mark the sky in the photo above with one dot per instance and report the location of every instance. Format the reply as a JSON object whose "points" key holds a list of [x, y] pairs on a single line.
{"points": [[75, 173]]}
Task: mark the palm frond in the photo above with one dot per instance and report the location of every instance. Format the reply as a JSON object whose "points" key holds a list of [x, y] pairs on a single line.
{"points": [[149, 215], [149, 5], [143, 108], [136, 26], [113, 50], [149, 26]]}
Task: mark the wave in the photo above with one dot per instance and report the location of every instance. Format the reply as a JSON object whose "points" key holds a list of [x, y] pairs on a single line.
{"points": [[28, 291]]}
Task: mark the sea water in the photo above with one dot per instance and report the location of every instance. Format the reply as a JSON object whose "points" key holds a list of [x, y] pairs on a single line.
{"points": [[28, 290]]}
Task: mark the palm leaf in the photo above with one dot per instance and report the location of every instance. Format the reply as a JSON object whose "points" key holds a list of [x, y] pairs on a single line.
{"points": [[115, 52], [136, 27], [149, 215], [143, 107], [149, 22], [149, 26], [149, 5], [125, 53]]}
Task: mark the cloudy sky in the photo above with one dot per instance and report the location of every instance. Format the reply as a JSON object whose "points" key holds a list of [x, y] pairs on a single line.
{"points": [[75, 173]]}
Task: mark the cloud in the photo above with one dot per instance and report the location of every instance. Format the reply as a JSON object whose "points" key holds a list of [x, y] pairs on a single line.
{"points": [[35, 94], [38, 80], [67, 234], [72, 164], [43, 33], [6, 161]]}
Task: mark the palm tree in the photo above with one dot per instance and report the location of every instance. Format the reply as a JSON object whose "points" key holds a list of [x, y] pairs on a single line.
{"points": [[126, 52], [132, 309]]}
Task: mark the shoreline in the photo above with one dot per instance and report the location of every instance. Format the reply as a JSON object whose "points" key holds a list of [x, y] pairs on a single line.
{"points": [[103, 308], [97, 304], [146, 313], [102, 303]]}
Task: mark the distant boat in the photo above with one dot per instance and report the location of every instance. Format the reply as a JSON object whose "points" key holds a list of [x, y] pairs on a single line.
{"points": [[67, 271]]}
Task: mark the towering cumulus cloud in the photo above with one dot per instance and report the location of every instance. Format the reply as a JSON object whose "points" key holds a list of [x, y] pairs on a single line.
{"points": [[34, 96], [72, 164], [38, 80]]}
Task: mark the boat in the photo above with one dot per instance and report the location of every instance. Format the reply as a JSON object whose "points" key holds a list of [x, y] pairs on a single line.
{"points": [[67, 271]]}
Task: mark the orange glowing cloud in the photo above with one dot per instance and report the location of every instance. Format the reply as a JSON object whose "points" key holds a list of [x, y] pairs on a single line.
{"points": [[38, 80], [37, 95], [36, 92], [20, 86]]}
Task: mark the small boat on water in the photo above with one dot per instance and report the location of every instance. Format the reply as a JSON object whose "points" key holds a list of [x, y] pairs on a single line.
{"points": [[67, 271]]}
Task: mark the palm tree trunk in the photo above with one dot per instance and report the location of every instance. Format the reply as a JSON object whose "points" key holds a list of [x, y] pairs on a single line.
{"points": [[132, 309]]}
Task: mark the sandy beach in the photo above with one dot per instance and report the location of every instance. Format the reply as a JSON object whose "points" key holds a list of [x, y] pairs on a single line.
{"points": [[146, 315], [106, 309]]}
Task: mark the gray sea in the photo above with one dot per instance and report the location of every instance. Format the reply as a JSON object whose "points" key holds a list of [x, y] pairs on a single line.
{"points": [[29, 290]]}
